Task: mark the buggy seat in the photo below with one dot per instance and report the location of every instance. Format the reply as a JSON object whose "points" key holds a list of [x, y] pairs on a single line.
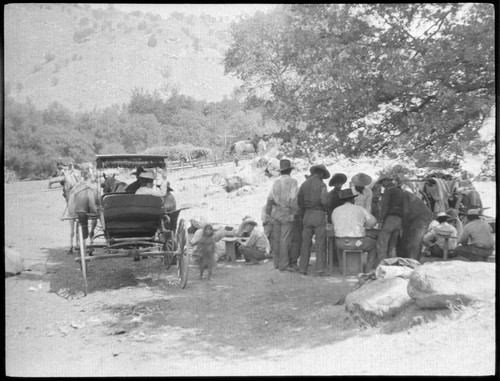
{"points": [[131, 215]]}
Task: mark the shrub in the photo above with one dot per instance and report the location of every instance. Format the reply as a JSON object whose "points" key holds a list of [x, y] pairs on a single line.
{"points": [[152, 42], [142, 25], [54, 81], [84, 21], [49, 57], [82, 35], [37, 68]]}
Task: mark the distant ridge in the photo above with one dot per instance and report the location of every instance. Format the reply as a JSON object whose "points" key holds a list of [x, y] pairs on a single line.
{"points": [[89, 59]]}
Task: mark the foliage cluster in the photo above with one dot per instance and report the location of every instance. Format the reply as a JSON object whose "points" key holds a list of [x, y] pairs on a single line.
{"points": [[35, 139], [372, 78]]}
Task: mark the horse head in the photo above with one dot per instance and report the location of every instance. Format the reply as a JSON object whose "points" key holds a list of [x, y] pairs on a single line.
{"points": [[108, 183]]}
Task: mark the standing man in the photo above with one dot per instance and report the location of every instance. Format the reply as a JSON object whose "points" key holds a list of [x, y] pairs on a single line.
{"points": [[391, 211], [336, 182], [282, 207], [476, 242], [349, 224], [313, 203], [359, 183]]}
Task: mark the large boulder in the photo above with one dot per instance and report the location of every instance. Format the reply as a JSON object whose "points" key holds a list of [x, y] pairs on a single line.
{"points": [[378, 300], [13, 262], [437, 284]]}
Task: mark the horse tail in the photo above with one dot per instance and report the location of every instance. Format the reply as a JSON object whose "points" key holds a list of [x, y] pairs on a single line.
{"points": [[231, 149]]}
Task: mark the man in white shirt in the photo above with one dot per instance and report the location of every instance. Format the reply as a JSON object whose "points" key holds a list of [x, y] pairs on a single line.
{"points": [[434, 239], [349, 224], [146, 180], [360, 184], [255, 247], [282, 207]]}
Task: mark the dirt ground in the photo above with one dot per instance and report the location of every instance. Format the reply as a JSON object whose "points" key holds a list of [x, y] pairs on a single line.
{"points": [[248, 320]]}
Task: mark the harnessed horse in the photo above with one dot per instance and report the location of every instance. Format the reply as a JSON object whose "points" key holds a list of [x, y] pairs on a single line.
{"points": [[81, 198], [112, 185]]}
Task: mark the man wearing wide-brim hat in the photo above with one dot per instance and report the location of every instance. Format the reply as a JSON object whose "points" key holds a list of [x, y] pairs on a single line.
{"points": [[476, 242], [313, 202], [350, 222], [282, 207], [255, 247], [146, 180], [132, 187], [337, 180], [435, 239], [391, 213], [360, 184]]}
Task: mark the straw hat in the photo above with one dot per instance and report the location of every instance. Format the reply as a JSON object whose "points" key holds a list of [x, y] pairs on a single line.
{"points": [[361, 179], [147, 175]]}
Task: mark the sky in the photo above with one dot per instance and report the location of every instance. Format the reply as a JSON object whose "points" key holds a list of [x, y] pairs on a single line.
{"points": [[215, 10]]}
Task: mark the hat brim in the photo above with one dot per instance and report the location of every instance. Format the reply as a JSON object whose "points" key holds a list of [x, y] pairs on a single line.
{"points": [[326, 174], [348, 197], [338, 178]]}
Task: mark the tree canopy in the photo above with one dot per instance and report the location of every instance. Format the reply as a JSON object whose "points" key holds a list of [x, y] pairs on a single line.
{"points": [[372, 78]]}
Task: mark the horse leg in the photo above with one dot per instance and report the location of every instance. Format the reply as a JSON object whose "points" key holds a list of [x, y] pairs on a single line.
{"points": [[72, 234]]}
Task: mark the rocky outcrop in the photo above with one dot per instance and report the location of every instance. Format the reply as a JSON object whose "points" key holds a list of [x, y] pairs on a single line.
{"points": [[437, 284], [378, 300], [13, 262]]}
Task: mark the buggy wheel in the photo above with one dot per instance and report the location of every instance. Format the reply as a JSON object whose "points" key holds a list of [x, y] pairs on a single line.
{"points": [[426, 200], [83, 253], [182, 254]]}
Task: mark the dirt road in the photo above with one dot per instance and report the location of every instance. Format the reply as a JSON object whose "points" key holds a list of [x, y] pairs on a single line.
{"points": [[249, 320]]}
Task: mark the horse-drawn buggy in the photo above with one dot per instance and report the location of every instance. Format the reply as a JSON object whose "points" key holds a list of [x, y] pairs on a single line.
{"points": [[131, 225]]}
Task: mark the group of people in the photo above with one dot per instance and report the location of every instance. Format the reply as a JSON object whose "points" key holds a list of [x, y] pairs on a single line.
{"points": [[300, 213], [474, 241], [294, 214]]}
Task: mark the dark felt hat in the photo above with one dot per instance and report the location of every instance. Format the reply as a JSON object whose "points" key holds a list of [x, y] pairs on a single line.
{"points": [[321, 167], [285, 164], [346, 194], [338, 177]]}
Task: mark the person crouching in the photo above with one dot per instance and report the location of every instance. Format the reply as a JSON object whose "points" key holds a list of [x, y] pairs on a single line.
{"points": [[256, 246]]}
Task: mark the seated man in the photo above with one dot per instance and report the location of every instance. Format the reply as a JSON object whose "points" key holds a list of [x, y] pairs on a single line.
{"points": [[256, 247], [349, 224], [476, 241], [434, 241], [132, 187], [146, 180]]}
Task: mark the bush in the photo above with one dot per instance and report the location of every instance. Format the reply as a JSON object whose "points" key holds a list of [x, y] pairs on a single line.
{"points": [[82, 35], [152, 42], [54, 81], [142, 25], [49, 57]]}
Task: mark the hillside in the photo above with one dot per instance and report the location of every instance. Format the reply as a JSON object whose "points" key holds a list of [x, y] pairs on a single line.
{"points": [[89, 58]]}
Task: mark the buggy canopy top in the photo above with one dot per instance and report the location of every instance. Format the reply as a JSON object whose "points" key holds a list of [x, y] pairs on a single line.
{"points": [[130, 161]]}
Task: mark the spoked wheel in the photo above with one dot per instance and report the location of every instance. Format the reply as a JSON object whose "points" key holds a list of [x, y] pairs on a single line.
{"points": [[83, 253], [182, 254]]}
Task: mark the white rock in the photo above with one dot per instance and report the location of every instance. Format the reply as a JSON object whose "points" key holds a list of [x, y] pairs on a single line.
{"points": [[435, 284], [378, 300], [13, 262]]}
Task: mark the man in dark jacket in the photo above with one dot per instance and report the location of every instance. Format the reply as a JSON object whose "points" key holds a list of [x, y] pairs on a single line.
{"points": [[133, 187], [313, 203], [336, 182], [391, 211]]}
